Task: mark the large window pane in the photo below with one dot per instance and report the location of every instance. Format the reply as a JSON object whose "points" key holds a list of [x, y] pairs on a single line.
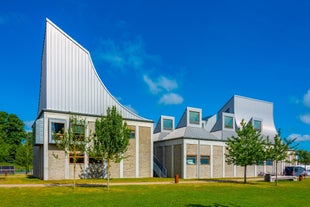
{"points": [[167, 124], [228, 122], [194, 117], [191, 160]]}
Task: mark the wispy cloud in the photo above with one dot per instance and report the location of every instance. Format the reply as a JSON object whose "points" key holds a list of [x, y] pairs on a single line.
{"points": [[306, 99], [162, 83], [124, 56], [131, 56], [171, 99], [305, 118], [300, 137]]}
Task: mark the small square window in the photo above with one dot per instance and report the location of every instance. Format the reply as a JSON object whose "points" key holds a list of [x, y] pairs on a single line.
{"points": [[257, 124], [191, 159], [228, 122], [204, 160], [56, 127], [194, 117], [168, 124]]}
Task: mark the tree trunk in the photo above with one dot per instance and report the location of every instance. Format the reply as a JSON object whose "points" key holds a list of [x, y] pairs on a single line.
{"points": [[108, 171], [244, 178], [276, 173], [74, 166]]}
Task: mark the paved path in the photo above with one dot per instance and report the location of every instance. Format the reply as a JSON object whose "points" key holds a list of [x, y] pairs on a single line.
{"points": [[96, 184]]}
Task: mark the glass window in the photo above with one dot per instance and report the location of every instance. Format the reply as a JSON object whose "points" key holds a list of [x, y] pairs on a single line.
{"points": [[78, 132], [257, 125], [228, 122], [205, 160], [167, 124], [57, 128], [132, 134], [269, 162], [194, 117], [191, 159]]}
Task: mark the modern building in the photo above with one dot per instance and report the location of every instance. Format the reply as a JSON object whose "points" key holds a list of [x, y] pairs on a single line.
{"points": [[70, 85], [196, 147]]}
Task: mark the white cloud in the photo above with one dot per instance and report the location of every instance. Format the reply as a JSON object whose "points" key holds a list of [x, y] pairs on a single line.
{"points": [[171, 99], [305, 118], [299, 137], [167, 84], [307, 99], [162, 83], [125, 55], [151, 84]]}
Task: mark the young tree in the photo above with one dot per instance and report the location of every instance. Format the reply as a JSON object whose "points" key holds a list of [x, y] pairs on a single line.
{"points": [[303, 157], [278, 150], [245, 149], [23, 155], [73, 141], [111, 139]]}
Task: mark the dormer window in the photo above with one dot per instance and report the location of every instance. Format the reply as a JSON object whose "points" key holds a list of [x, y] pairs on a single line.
{"points": [[228, 122], [168, 124], [194, 117], [257, 124]]}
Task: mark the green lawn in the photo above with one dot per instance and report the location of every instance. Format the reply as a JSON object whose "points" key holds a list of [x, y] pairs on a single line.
{"points": [[209, 194]]}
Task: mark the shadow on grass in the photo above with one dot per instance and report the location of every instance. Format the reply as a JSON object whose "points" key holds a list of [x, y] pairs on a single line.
{"points": [[232, 181], [212, 205]]}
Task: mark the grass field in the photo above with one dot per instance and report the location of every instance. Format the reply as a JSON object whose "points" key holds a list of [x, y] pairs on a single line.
{"points": [[208, 194]]}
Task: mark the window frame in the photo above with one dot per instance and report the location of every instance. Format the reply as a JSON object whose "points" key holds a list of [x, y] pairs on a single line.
{"points": [[224, 122], [194, 159], [51, 121], [261, 124], [205, 157], [170, 123], [191, 121]]}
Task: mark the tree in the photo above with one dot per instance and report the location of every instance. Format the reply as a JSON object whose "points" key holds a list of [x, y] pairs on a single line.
{"points": [[245, 149], [12, 132], [278, 150], [111, 139], [23, 155], [73, 141], [303, 157]]}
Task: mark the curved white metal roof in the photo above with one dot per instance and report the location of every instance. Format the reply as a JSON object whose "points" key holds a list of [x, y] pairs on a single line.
{"points": [[69, 81]]}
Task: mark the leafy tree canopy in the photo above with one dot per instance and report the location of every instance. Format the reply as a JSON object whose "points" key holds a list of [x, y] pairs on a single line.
{"points": [[247, 148]]}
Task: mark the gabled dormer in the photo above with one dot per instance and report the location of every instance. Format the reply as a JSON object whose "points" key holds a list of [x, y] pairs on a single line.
{"points": [[165, 124], [191, 117]]}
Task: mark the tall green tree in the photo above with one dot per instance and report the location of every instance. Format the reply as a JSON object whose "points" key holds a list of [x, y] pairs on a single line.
{"points": [[278, 150], [247, 148], [12, 132], [73, 141], [23, 155], [111, 139]]}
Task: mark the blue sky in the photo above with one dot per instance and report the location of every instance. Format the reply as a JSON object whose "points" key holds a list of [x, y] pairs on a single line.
{"points": [[157, 57]]}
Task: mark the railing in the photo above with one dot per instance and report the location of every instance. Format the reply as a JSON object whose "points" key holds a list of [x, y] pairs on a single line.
{"points": [[158, 167]]}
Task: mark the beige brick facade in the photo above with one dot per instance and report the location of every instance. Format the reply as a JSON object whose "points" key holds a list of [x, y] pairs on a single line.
{"points": [[145, 143]]}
